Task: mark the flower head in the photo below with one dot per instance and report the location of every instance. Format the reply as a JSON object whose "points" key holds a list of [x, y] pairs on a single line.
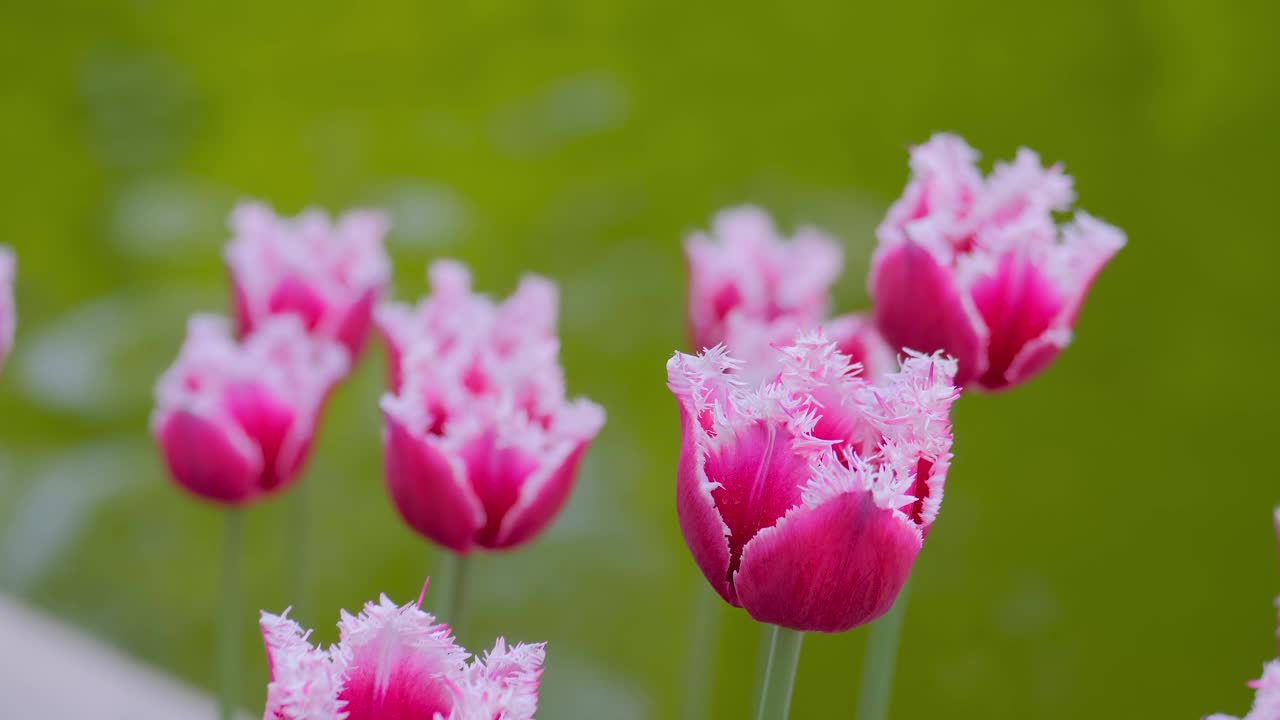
{"points": [[978, 268], [481, 445], [805, 497], [8, 315], [1266, 701], [330, 273], [394, 661], [234, 420], [744, 268]]}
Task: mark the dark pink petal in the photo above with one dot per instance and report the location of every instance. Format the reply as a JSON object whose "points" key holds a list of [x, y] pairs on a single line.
{"points": [[210, 459], [856, 335], [760, 478], [496, 474], [1018, 303], [829, 568], [703, 529], [266, 420], [429, 489], [292, 295], [526, 519], [919, 306], [407, 687], [353, 329]]}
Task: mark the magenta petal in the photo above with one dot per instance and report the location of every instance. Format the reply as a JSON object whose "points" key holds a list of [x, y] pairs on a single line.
{"points": [[267, 421], [292, 295], [1018, 302], [918, 306], [703, 529], [208, 459], [830, 568], [429, 489], [395, 685], [496, 474], [526, 520], [353, 330]]}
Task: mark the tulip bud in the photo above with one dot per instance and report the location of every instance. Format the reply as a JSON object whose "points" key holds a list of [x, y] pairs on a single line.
{"points": [[234, 421], [805, 498], [977, 267], [329, 273]]}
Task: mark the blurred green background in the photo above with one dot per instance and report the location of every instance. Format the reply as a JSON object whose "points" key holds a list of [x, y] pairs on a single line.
{"points": [[1105, 548]]}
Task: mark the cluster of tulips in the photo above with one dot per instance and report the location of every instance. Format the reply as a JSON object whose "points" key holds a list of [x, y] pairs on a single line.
{"points": [[814, 450]]}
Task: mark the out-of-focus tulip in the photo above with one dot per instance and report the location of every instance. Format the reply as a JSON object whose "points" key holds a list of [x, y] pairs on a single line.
{"points": [[330, 273], [234, 421], [8, 311], [1266, 702], [978, 268], [745, 268], [481, 446], [805, 499], [391, 663]]}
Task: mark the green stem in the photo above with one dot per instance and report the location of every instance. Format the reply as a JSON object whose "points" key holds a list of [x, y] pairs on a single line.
{"points": [[703, 633], [229, 633], [880, 660], [763, 649], [456, 571], [780, 674], [297, 554]]}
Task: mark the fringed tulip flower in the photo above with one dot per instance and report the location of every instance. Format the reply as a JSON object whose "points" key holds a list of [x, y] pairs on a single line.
{"points": [[805, 499], [481, 446], [8, 315], [395, 663], [330, 273], [1266, 703], [978, 268], [234, 420], [745, 268]]}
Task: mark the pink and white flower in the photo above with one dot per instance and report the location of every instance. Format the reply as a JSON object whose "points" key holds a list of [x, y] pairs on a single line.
{"points": [[392, 663], [1266, 701], [8, 313], [745, 268], [978, 268], [806, 497], [481, 446], [235, 420], [751, 290], [330, 273]]}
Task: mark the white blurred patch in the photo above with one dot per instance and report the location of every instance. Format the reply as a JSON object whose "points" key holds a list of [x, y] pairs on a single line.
{"points": [[61, 494], [102, 358], [425, 214], [575, 687], [572, 108], [157, 216]]}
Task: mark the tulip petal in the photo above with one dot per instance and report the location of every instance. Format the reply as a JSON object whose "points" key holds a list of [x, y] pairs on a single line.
{"points": [[212, 459], [829, 568], [428, 486], [919, 306], [397, 663], [704, 530], [1018, 302]]}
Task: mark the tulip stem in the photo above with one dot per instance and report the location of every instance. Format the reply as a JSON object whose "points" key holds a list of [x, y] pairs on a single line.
{"points": [[703, 636], [456, 569], [780, 674], [229, 633], [297, 554], [880, 660]]}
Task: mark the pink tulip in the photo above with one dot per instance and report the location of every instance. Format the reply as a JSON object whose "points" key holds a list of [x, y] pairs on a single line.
{"points": [[1266, 702], [8, 314], [745, 269], [234, 421], [977, 267], [329, 273], [481, 446], [394, 662], [805, 499]]}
